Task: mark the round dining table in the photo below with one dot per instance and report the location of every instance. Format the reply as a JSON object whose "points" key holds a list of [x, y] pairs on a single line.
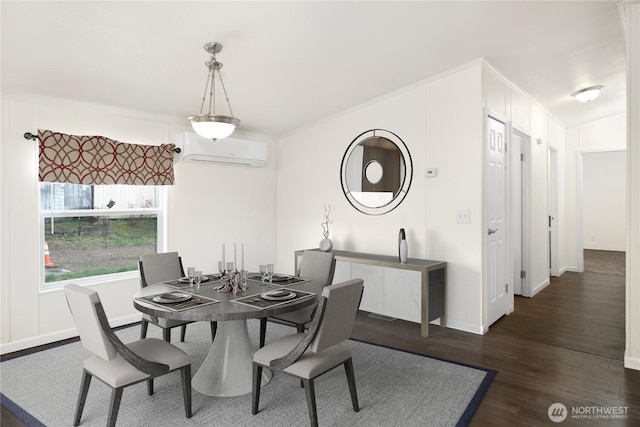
{"points": [[227, 369]]}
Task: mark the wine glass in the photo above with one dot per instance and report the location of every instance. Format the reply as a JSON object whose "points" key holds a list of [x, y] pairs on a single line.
{"points": [[235, 283], [197, 279], [243, 280], [229, 267], [270, 273], [191, 271], [263, 273]]}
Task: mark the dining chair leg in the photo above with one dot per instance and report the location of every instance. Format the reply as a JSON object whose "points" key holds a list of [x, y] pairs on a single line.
{"points": [[150, 386], [310, 391], [143, 329], [166, 334], [116, 397], [82, 396], [351, 379], [263, 330], [214, 329], [186, 390], [183, 332], [255, 391]]}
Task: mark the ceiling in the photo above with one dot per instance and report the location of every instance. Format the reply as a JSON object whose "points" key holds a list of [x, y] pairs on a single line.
{"points": [[289, 64]]}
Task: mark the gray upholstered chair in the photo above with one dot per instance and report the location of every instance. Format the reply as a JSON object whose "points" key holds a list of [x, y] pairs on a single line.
{"points": [[319, 268], [319, 350], [116, 364], [155, 268]]}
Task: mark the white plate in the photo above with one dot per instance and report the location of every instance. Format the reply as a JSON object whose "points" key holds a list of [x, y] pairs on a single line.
{"points": [[172, 297], [186, 279], [278, 295], [280, 278]]}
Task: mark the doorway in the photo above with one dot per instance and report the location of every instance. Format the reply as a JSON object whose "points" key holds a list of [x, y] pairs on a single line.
{"points": [[601, 203], [519, 215]]}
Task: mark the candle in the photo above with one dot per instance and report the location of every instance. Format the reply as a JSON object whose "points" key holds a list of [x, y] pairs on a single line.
{"points": [[235, 252], [242, 258], [223, 260]]}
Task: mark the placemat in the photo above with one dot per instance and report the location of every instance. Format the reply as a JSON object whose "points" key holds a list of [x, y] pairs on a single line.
{"points": [[178, 284], [195, 301], [290, 280], [256, 301]]}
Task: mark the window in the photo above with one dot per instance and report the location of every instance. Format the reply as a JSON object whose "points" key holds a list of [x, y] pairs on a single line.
{"points": [[95, 230]]}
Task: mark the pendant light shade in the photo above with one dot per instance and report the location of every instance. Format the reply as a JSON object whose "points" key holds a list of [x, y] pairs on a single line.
{"points": [[211, 125]]}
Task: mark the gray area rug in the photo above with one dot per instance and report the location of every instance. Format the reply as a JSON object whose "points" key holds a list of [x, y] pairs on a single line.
{"points": [[395, 388]]}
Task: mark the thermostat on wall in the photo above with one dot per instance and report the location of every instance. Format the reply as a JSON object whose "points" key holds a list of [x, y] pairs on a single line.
{"points": [[430, 172]]}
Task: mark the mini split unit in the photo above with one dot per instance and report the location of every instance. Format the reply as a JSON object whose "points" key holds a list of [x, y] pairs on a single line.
{"points": [[229, 151]]}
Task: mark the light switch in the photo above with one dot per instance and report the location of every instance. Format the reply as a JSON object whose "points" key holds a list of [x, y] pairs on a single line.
{"points": [[463, 216]]}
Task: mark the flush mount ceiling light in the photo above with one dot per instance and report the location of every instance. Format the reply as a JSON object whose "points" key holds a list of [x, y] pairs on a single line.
{"points": [[212, 125], [587, 94]]}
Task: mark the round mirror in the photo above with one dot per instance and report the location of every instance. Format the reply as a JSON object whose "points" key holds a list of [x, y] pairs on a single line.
{"points": [[376, 172]]}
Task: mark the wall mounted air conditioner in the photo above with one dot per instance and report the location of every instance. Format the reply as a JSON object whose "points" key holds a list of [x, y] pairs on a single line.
{"points": [[230, 151]]}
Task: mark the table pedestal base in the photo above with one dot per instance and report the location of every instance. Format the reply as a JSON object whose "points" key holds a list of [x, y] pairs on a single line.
{"points": [[227, 370]]}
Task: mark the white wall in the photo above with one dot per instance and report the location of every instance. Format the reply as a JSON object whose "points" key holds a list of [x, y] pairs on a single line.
{"points": [[454, 145], [309, 176], [208, 204], [441, 124], [604, 176]]}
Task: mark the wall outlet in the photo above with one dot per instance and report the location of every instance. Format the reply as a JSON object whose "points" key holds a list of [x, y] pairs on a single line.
{"points": [[430, 172], [463, 216]]}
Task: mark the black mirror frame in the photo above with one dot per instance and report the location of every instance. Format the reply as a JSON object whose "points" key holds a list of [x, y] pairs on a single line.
{"points": [[406, 182]]}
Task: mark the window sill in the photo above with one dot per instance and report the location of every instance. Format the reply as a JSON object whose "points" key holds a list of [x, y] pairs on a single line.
{"points": [[89, 281]]}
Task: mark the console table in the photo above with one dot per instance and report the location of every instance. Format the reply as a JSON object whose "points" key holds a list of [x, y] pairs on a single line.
{"points": [[415, 291]]}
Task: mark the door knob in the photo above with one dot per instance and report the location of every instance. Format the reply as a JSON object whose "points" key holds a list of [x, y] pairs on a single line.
{"points": [[492, 230]]}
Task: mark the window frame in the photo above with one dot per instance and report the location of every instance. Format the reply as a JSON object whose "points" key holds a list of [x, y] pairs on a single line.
{"points": [[44, 215]]}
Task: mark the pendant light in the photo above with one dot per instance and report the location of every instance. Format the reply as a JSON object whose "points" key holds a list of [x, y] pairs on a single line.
{"points": [[212, 125]]}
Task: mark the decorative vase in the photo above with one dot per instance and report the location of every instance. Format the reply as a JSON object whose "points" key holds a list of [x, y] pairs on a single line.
{"points": [[325, 244], [402, 246]]}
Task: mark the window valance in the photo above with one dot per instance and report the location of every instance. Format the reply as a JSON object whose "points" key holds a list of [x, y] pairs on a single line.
{"points": [[80, 159]]}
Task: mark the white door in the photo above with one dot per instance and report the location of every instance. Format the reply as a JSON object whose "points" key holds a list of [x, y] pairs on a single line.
{"points": [[496, 293], [517, 158], [552, 204]]}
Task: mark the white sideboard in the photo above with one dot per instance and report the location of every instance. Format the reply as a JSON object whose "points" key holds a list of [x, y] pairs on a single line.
{"points": [[414, 291]]}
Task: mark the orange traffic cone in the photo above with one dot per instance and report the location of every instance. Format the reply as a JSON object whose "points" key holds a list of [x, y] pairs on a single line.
{"points": [[47, 257]]}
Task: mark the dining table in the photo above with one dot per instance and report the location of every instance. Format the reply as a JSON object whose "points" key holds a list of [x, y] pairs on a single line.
{"points": [[227, 368]]}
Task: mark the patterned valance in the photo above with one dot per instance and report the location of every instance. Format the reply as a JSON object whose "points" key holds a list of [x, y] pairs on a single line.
{"points": [[79, 159]]}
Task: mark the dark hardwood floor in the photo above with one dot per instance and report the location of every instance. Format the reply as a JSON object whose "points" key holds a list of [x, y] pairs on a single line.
{"points": [[564, 345]]}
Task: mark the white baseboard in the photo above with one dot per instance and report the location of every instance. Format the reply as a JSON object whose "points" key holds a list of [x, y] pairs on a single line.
{"points": [[540, 287], [572, 269], [466, 327], [31, 342], [632, 363]]}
